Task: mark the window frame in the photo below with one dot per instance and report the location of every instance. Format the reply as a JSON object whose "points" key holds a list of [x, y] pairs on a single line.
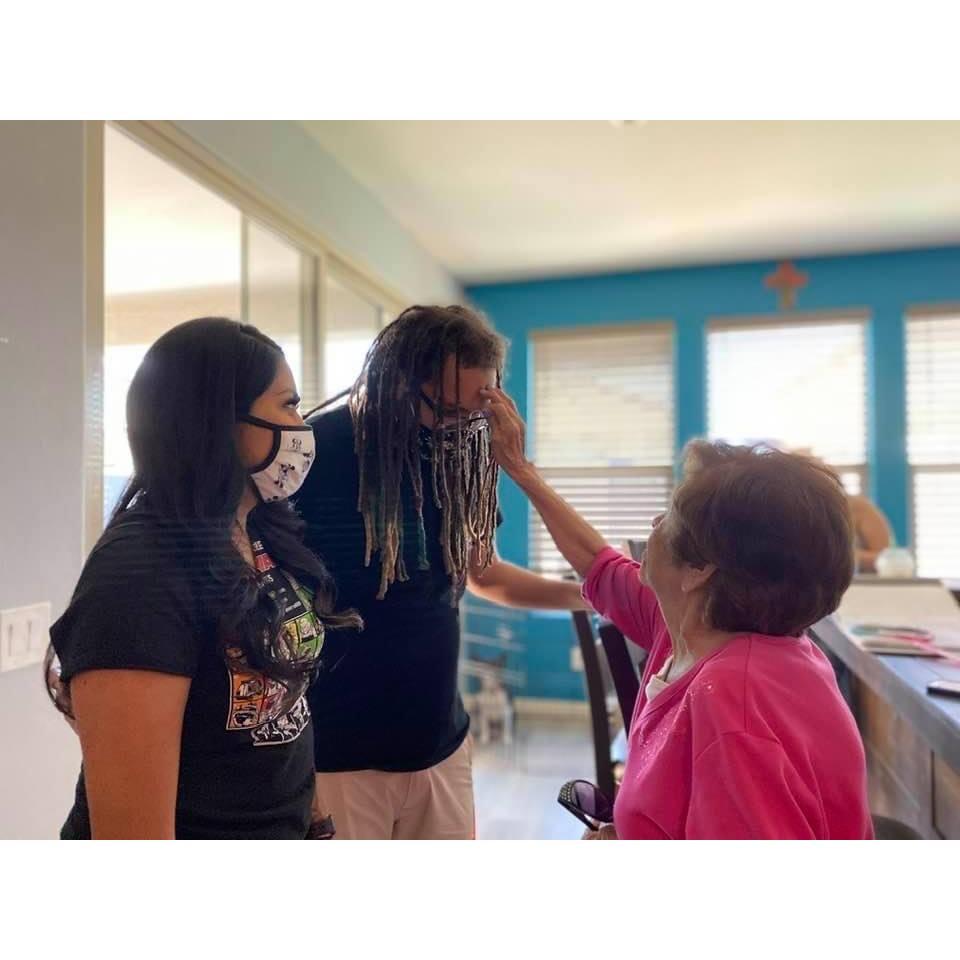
{"points": [[170, 144]]}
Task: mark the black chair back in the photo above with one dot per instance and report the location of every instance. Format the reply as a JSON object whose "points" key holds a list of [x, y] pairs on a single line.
{"points": [[624, 670], [593, 671], [886, 828]]}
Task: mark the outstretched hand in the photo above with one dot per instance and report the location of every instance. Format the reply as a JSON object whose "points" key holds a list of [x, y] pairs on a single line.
{"points": [[606, 831], [507, 431]]}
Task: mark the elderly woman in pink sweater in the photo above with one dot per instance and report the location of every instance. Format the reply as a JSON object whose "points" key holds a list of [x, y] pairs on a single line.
{"points": [[739, 730]]}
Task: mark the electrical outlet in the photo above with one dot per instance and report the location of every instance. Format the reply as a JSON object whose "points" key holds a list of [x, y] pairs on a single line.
{"points": [[576, 660], [24, 635]]}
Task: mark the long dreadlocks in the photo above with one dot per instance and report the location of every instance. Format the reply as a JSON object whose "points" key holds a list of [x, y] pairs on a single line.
{"points": [[385, 403]]}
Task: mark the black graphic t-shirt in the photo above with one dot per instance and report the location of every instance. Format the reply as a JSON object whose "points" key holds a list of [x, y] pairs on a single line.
{"points": [[246, 757], [387, 697]]}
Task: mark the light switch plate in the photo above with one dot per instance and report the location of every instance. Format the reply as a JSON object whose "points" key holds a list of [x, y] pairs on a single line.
{"points": [[24, 635]]}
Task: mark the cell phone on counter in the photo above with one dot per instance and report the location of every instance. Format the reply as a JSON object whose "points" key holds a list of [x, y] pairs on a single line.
{"points": [[585, 801], [944, 688]]}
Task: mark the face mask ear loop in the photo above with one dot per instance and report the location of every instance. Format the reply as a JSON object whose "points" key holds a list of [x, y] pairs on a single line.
{"points": [[274, 446]]}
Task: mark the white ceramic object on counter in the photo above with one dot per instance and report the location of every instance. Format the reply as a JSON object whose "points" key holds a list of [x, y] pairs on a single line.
{"points": [[895, 562]]}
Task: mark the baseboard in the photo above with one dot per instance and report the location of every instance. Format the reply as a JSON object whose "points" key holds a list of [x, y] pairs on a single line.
{"points": [[540, 706], [549, 707]]}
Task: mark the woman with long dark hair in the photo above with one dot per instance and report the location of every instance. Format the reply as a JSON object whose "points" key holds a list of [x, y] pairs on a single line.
{"points": [[199, 617]]}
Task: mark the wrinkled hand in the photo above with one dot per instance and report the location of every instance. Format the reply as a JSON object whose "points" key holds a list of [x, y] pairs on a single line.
{"points": [[606, 831], [507, 431]]}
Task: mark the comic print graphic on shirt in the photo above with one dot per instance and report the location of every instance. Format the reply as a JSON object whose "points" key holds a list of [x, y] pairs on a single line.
{"points": [[285, 728], [273, 713]]}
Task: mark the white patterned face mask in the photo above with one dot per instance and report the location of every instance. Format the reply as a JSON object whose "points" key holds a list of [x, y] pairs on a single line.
{"points": [[282, 473]]}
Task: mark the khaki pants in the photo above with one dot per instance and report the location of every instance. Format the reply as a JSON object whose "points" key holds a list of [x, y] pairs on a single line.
{"points": [[431, 804]]}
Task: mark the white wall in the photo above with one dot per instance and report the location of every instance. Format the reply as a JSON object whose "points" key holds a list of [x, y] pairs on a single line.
{"points": [[287, 163], [41, 421]]}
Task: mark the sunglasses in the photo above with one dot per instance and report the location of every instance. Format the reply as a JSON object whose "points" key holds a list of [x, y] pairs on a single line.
{"points": [[585, 801]]}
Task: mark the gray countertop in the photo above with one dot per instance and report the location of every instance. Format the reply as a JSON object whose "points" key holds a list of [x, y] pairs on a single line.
{"points": [[902, 681]]}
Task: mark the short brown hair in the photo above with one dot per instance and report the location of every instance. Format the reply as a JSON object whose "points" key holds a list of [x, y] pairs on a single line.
{"points": [[777, 527]]}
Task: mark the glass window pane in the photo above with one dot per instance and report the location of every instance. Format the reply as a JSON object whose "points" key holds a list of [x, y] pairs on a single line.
{"points": [[603, 430], [936, 515], [797, 385], [351, 324], [933, 440], [273, 297], [604, 398], [933, 389], [171, 253]]}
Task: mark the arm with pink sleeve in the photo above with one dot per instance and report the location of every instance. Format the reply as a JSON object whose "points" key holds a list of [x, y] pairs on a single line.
{"points": [[741, 790], [613, 588]]}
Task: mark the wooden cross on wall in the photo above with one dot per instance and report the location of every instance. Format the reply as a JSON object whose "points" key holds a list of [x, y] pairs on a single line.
{"points": [[787, 280]]}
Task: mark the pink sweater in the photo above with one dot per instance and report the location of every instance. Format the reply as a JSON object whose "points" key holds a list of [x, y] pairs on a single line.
{"points": [[754, 742]]}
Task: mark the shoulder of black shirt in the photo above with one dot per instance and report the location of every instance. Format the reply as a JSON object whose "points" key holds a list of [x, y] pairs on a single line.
{"points": [[332, 423]]}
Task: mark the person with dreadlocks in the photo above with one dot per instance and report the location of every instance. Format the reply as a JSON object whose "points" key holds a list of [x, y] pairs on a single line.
{"points": [[403, 509]]}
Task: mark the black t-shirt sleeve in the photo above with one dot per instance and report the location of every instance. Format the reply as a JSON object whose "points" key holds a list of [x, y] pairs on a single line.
{"points": [[126, 616]]}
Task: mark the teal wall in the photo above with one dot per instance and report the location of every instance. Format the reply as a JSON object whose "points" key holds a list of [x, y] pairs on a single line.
{"points": [[883, 285]]}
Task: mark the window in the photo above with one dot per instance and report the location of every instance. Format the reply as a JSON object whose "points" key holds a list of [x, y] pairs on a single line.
{"points": [[353, 317], [275, 291], [797, 384], [172, 252], [602, 429], [933, 440], [175, 249]]}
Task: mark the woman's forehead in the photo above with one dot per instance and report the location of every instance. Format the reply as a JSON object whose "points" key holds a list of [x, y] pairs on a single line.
{"points": [[283, 380]]}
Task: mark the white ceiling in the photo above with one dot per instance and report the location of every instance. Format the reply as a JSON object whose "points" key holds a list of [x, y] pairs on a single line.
{"points": [[501, 199]]}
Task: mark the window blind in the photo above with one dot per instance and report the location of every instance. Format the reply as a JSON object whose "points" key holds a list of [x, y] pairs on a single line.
{"points": [[798, 384], [933, 440], [602, 429]]}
